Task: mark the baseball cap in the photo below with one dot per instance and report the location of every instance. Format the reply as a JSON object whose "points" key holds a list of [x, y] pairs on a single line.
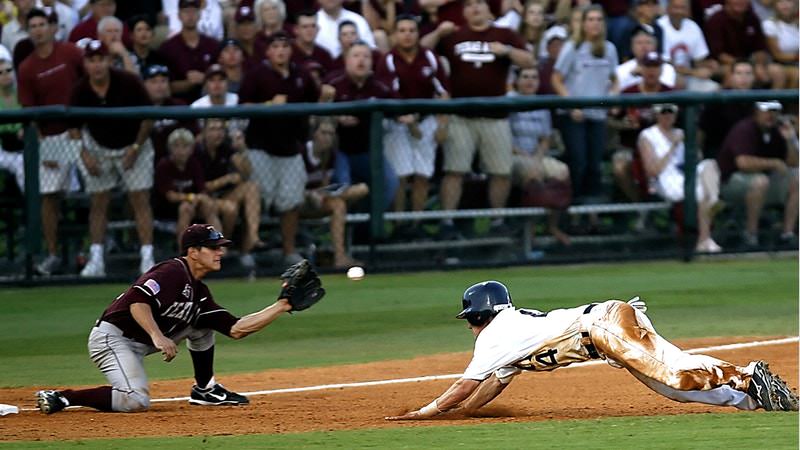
{"points": [[215, 69], [94, 47], [203, 235], [155, 70], [244, 14], [554, 32], [230, 42], [652, 59], [279, 35], [769, 105], [189, 4]]}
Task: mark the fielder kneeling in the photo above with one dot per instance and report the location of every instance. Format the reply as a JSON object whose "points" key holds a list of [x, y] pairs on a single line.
{"points": [[510, 340], [164, 306]]}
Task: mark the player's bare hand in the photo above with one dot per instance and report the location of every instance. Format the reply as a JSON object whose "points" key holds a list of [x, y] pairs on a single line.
{"points": [[413, 415], [167, 347]]}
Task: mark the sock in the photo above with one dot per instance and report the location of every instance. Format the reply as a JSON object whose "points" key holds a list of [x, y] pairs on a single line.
{"points": [[96, 252], [146, 250], [203, 363], [97, 398]]}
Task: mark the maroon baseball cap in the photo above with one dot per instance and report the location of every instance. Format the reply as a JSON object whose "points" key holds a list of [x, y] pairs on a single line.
{"points": [[203, 235], [279, 35], [94, 47], [245, 14], [652, 59], [190, 4]]}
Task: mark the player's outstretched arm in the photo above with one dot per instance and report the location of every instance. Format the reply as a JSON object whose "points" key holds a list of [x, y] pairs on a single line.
{"points": [[486, 392], [457, 393], [256, 321]]}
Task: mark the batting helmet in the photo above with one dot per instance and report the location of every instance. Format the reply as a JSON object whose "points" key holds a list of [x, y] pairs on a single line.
{"points": [[483, 301]]}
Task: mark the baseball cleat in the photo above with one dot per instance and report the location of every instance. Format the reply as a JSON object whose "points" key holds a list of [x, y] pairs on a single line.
{"points": [[216, 395], [760, 386], [50, 402], [782, 395]]}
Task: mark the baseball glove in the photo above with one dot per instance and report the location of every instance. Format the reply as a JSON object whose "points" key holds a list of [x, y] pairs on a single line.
{"points": [[301, 286]]}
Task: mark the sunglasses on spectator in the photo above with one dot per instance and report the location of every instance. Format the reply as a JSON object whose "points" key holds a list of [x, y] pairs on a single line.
{"points": [[665, 109]]}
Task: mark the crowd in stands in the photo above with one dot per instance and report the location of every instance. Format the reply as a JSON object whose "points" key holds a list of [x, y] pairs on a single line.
{"points": [[204, 53]]}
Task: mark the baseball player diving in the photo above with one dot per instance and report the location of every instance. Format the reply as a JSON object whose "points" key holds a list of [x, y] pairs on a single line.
{"points": [[166, 305], [509, 340]]}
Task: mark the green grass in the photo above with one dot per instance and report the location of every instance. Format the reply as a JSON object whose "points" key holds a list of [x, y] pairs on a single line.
{"points": [[749, 431], [43, 330]]}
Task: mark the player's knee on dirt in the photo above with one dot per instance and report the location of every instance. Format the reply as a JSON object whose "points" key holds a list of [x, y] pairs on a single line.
{"points": [[130, 401]]}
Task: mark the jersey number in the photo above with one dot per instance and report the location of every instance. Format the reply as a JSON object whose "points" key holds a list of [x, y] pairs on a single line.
{"points": [[547, 358]]}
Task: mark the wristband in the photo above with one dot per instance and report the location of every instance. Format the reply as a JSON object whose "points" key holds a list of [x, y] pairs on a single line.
{"points": [[430, 409]]}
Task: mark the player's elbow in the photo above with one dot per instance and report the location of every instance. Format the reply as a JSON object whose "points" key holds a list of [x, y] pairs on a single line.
{"points": [[237, 334]]}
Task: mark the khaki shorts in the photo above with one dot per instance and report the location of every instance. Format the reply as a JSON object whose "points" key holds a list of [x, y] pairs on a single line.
{"points": [[735, 189], [529, 167], [282, 179], [407, 154], [491, 138], [112, 174], [62, 150]]}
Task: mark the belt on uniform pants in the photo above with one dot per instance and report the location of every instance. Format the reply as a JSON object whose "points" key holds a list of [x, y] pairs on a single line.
{"points": [[586, 340]]}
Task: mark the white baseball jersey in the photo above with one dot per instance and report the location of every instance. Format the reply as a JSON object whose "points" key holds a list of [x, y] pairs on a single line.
{"points": [[522, 339]]}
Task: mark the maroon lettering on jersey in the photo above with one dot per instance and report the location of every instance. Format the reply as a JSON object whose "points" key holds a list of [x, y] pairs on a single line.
{"points": [[177, 299], [422, 77], [283, 136], [355, 139]]}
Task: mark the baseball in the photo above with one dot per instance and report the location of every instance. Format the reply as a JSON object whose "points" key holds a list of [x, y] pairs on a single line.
{"points": [[355, 273]]}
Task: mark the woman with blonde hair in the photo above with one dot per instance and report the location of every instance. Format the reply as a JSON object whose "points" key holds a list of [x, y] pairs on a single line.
{"points": [[532, 26]]}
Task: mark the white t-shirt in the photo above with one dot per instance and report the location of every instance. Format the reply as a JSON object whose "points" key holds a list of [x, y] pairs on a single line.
{"points": [[787, 34], [231, 99], [210, 24], [627, 79], [684, 45], [520, 339], [328, 35]]}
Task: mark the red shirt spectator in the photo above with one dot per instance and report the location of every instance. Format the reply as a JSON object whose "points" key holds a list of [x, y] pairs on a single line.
{"points": [[738, 37], [747, 138], [87, 29], [422, 77], [354, 139]]}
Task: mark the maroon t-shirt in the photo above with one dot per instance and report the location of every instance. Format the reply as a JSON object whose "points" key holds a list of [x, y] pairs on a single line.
{"points": [[279, 136], [746, 138], [643, 114], [218, 165], [737, 38], [355, 139], [476, 71], [168, 177], [87, 29], [49, 81], [423, 77], [177, 299], [182, 58], [124, 89]]}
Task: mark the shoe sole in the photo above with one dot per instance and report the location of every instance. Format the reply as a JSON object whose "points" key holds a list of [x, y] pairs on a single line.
{"points": [[222, 403], [42, 403], [766, 376]]}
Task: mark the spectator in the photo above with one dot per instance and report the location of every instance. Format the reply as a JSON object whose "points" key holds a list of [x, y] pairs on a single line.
{"points": [[618, 18], [115, 152], [67, 17], [109, 32], [216, 87], [629, 73], [45, 78], [127, 10], [329, 16], [231, 58], [25, 46], [532, 28], [717, 119], [156, 82], [271, 16], [643, 16], [758, 162], [323, 198], [553, 41], [352, 162], [412, 72], [87, 29], [348, 35], [663, 156], [585, 67], [246, 32], [209, 18], [189, 53], [227, 169], [685, 47], [179, 182], [11, 134], [735, 33], [142, 54], [783, 41], [276, 143], [307, 54], [531, 132], [17, 29], [479, 51]]}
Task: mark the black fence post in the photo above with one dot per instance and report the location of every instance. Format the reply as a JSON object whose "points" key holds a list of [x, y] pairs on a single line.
{"points": [[690, 118], [376, 187], [33, 200]]}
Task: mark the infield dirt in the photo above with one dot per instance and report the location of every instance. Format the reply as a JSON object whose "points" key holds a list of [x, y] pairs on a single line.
{"points": [[575, 393]]}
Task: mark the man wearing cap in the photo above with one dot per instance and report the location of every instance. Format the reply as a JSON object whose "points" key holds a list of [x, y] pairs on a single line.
{"points": [[644, 45], [246, 32], [163, 307], [231, 58], [758, 162], [115, 152], [87, 29], [216, 86], [189, 53], [276, 143], [45, 77]]}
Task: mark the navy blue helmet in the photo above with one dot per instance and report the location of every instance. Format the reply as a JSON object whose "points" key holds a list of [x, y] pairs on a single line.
{"points": [[483, 301]]}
